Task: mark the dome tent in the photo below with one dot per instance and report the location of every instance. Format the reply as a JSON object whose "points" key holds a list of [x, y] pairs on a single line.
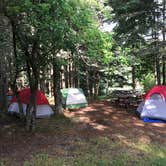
{"points": [[154, 105], [73, 98], [42, 105]]}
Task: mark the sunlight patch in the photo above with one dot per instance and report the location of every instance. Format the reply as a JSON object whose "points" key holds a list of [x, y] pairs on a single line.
{"points": [[99, 127], [139, 124]]}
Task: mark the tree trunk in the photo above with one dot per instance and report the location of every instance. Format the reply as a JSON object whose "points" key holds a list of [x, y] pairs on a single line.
{"points": [[5, 54], [164, 71], [87, 83], [96, 84], [66, 76], [75, 72], [31, 112], [56, 82], [163, 56], [42, 85], [133, 78], [91, 83], [70, 74], [3, 90], [61, 79], [14, 84], [158, 74], [31, 109]]}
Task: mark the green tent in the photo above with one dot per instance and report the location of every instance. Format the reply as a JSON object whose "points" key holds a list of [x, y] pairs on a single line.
{"points": [[73, 98]]}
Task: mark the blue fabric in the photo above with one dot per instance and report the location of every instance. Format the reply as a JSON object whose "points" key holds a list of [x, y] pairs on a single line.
{"points": [[148, 120]]}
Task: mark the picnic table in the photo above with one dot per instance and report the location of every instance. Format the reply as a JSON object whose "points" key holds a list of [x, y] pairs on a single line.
{"points": [[126, 99]]}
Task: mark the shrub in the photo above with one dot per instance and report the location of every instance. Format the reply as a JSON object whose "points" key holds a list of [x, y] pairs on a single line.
{"points": [[148, 82]]}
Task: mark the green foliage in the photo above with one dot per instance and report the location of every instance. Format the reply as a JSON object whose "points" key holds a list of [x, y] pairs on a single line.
{"points": [[148, 82], [2, 163], [133, 17], [97, 45], [134, 20], [52, 26], [43, 160], [159, 162], [73, 26]]}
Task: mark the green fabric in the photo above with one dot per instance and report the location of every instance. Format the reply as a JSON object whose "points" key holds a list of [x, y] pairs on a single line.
{"points": [[65, 92], [72, 106]]}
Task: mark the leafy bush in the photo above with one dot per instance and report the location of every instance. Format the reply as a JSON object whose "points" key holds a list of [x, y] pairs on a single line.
{"points": [[148, 82]]}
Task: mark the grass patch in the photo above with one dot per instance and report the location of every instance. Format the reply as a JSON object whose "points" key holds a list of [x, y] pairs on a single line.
{"points": [[155, 150], [104, 152], [100, 151], [44, 160], [73, 149], [57, 124], [159, 162]]}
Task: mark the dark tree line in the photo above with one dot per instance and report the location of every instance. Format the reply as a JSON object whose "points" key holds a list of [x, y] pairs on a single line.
{"points": [[140, 26]]}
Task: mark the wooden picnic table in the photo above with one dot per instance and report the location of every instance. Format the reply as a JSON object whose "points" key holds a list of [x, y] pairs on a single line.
{"points": [[127, 101]]}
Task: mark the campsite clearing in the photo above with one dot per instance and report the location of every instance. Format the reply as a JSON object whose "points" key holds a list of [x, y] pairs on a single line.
{"points": [[99, 134]]}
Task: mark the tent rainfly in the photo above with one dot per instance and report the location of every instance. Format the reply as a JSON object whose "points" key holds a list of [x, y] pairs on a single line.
{"points": [[42, 110], [73, 98], [154, 105]]}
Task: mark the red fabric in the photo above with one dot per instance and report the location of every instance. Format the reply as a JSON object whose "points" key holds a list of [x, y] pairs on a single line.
{"points": [[25, 97], [159, 89], [10, 93]]}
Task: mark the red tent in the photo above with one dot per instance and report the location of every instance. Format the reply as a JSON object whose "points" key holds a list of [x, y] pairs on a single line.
{"points": [[25, 97], [9, 93], [159, 89]]}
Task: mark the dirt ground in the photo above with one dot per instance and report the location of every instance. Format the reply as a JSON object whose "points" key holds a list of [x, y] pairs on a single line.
{"points": [[98, 119], [109, 120]]}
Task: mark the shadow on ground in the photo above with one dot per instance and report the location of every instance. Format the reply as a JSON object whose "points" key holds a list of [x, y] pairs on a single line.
{"points": [[106, 119], [58, 135]]}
